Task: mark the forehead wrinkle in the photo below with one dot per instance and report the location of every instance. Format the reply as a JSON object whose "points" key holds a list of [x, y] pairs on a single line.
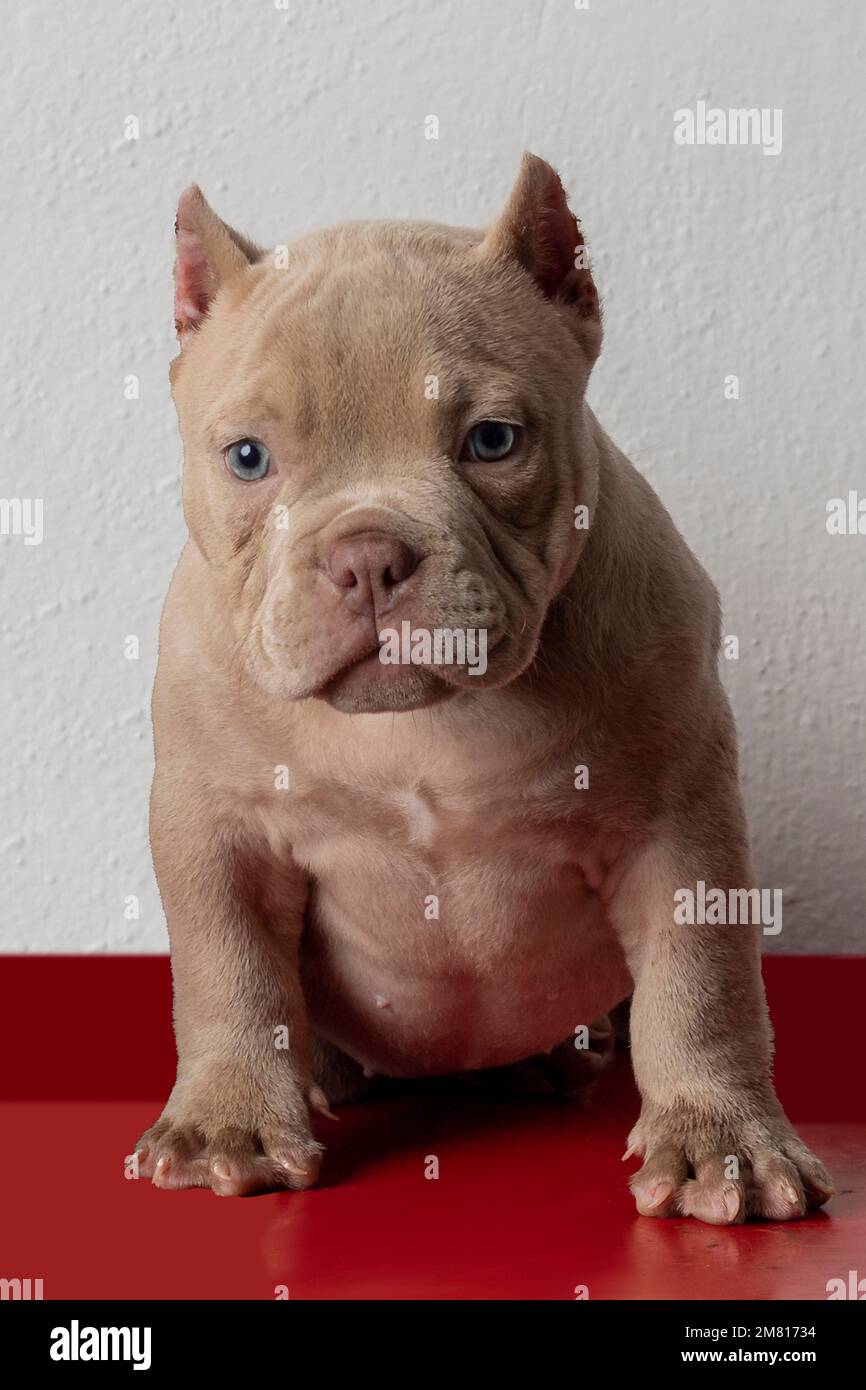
{"points": [[491, 397], [465, 387], [364, 382], [264, 380], [308, 322], [250, 415], [374, 328]]}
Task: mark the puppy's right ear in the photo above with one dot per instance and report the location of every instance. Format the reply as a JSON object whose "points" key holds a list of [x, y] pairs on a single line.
{"points": [[208, 253]]}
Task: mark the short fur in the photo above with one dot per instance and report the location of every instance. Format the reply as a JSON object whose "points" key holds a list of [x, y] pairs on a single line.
{"points": [[306, 907]]}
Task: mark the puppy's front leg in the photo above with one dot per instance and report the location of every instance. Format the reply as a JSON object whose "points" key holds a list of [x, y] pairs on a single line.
{"points": [[237, 1119], [714, 1139]]}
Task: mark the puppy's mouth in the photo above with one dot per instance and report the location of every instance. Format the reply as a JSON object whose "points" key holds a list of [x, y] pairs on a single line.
{"points": [[367, 686], [369, 683]]}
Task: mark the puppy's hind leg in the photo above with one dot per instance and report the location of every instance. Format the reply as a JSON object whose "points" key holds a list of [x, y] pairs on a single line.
{"points": [[338, 1076], [561, 1074]]}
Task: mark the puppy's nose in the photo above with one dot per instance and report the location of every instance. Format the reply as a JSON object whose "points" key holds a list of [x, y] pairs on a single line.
{"points": [[370, 568]]}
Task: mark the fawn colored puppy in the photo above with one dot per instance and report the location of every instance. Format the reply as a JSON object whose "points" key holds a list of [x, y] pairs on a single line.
{"points": [[436, 863]]}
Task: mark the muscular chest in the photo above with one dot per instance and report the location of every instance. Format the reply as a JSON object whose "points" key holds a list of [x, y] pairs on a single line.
{"points": [[453, 911]]}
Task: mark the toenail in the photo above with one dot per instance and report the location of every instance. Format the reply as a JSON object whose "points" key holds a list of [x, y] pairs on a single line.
{"points": [[660, 1194]]}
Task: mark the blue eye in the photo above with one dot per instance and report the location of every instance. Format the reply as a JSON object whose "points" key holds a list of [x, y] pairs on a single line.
{"points": [[248, 460], [491, 440]]}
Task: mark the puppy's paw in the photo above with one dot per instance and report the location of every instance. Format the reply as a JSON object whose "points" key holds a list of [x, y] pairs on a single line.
{"points": [[761, 1170], [199, 1144], [232, 1162]]}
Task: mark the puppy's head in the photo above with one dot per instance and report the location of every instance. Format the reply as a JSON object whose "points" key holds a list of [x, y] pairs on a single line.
{"points": [[384, 437]]}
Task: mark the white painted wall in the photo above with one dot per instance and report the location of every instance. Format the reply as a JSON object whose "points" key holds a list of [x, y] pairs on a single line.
{"points": [[711, 260]]}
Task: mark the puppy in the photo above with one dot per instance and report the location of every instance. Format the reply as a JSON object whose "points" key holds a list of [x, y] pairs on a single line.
{"points": [[436, 863]]}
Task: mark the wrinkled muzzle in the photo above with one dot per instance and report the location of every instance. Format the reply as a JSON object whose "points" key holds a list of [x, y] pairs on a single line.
{"points": [[375, 612]]}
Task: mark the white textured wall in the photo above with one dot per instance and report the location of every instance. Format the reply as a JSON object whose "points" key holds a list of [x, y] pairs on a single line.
{"points": [[711, 261]]}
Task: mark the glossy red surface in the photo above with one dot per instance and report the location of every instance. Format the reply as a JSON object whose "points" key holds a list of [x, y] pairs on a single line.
{"points": [[531, 1199]]}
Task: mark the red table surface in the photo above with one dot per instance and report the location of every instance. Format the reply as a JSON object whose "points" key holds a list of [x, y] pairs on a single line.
{"points": [[531, 1201]]}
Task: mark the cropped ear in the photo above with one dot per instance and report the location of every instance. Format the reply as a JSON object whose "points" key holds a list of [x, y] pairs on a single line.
{"points": [[208, 253], [538, 230]]}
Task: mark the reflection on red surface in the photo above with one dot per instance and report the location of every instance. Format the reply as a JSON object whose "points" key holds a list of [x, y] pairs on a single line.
{"points": [[531, 1201]]}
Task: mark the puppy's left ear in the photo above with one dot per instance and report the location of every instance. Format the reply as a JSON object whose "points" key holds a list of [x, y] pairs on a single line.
{"points": [[538, 230]]}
